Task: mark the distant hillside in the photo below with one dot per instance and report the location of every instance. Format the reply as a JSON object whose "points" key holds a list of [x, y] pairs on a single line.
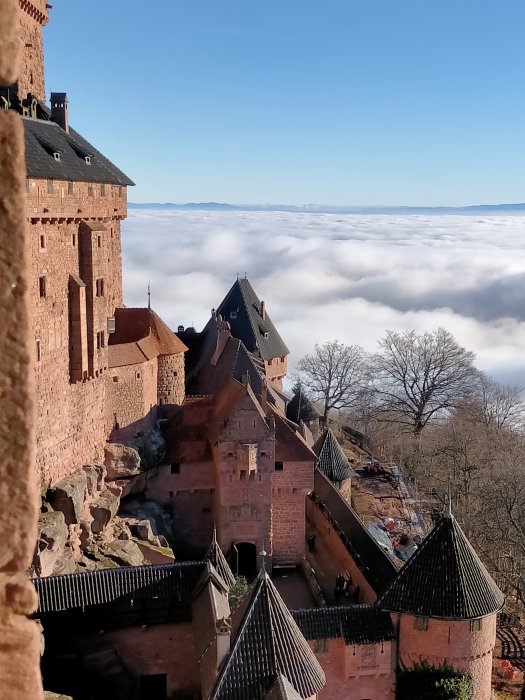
{"points": [[326, 209]]}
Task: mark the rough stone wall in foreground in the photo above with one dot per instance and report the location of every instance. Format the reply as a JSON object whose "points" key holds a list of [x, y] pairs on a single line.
{"points": [[19, 637]]}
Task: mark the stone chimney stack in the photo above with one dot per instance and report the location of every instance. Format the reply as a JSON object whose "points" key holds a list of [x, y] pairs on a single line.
{"points": [[59, 110], [263, 310]]}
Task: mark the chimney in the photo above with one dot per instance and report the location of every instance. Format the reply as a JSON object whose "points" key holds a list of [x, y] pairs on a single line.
{"points": [[263, 310], [59, 110]]}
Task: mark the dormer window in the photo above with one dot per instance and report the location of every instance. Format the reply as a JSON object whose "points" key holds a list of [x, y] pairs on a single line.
{"points": [[233, 314], [88, 160], [57, 156]]}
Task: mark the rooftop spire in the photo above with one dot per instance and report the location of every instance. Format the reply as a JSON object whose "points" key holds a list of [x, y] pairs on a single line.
{"points": [[449, 498], [149, 296]]}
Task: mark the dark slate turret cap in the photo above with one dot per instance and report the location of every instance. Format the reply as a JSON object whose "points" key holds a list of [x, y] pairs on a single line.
{"points": [[331, 459], [268, 644], [444, 578], [215, 556]]}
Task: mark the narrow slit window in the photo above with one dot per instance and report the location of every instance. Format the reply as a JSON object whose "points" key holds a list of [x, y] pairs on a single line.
{"points": [[42, 287]]}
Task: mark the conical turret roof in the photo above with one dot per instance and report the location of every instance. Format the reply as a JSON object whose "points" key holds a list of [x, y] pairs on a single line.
{"points": [[267, 644], [331, 459], [215, 556], [444, 578]]}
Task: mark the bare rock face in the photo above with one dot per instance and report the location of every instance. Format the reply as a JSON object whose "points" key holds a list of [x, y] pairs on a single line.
{"points": [[66, 564], [68, 496], [121, 461], [124, 553], [52, 537], [95, 474], [103, 509]]}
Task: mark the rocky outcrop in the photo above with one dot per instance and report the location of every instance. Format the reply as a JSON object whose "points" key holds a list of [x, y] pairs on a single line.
{"points": [[124, 552], [121, 461], [68, 496], [103, 509], [52, 537]]}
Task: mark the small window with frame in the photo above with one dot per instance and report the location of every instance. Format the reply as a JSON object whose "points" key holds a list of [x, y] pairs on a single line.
{"points": [[421, 623], [475, 625]]}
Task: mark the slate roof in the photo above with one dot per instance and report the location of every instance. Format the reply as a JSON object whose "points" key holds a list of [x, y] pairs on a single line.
{"points": [[267, 643], [43, 138], [378, 569], [234, 362], [248, 324], [282, 690], [70, 591], [216, 557], [444, 578], [355, 624], [331, 459]]}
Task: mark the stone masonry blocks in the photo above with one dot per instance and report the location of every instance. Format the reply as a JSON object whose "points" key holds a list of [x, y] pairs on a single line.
{"points": [[20, 641]]}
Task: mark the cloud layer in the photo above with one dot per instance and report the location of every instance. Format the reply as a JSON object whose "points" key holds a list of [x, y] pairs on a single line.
{"points": [[350, 277]]}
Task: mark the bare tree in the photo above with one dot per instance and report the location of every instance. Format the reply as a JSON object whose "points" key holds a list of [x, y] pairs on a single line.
{"points": [[420, 376], [334, 374], [500, 404]]}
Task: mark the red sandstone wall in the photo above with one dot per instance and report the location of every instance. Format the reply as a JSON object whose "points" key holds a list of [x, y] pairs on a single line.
{"points": [[330, 541], [289, 489], [32, 15], [167, 648], [356, 672], [131, 397], [276, 370], [190, 498], [170, 387], [244, 504], [72, 421], [452, 642]]}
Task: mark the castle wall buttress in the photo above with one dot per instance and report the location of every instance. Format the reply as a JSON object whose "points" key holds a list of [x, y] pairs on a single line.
{"points": [[290, 486], [244, 461]]}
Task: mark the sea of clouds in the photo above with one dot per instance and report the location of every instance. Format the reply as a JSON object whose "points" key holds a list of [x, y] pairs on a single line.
{"points": [[345, 277]]}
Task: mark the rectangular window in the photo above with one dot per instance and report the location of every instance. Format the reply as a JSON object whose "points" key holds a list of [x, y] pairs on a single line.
{"points": [[320, 646], [120, 191], [42, 287], [99, 285], [115, 379], [90, 190], [242, 474], [102, 190], [100, 340], [38, 351], [70, 187], [50, 186], [42, 242], [99, 241], [421, 623], [74, 239], [475, 625], [279, 466], [175, 467]]}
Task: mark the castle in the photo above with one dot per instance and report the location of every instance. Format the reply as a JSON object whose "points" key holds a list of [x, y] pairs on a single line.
{"points": [[242, 474]]}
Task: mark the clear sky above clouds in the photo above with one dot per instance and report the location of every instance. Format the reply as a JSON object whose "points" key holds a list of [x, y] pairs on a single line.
{"points": [[298, 101]]}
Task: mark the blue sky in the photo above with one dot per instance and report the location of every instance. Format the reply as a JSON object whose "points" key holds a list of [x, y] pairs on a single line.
{"points": [[414, 102]]}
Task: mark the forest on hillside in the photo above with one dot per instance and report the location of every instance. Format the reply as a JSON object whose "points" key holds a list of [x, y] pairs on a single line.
{"points": [[423, 404]]}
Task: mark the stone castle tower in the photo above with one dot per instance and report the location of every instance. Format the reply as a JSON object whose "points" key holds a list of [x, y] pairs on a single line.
{"points": [[444, 604], [33, 16]]}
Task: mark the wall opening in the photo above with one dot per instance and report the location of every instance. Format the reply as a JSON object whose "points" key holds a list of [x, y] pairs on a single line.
{"points": [[245, 559]]}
